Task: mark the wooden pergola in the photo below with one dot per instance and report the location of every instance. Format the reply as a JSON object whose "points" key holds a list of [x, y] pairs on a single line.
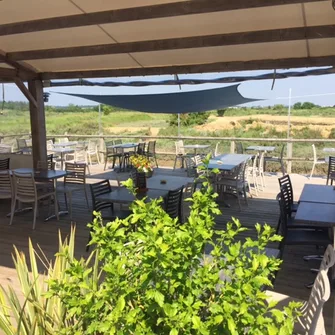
{"points": [[41, 40]]}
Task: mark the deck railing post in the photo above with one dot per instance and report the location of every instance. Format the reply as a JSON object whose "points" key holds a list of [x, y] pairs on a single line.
{"points": [[232, 147], [289, 157]]}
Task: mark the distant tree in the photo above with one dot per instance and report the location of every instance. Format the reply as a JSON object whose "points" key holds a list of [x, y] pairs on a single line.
{"points": [[309, 105], [278, 107], [220, 112], [189, 119], [297, 105]]}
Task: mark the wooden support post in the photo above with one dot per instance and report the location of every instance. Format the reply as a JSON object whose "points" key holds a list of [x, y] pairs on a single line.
{"points": [[37, 122], [289, 157], [232, 147]]}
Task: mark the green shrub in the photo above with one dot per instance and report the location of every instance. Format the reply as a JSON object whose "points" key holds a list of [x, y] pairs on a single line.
{"points": [[151, 276], [189, 119], [220, 112]]}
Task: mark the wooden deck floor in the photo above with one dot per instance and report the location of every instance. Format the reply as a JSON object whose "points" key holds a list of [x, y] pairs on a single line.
{"points": [[263, 209]]}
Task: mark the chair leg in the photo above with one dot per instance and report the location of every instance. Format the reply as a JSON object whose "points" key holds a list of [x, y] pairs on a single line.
{"points": [[12, 211], [35, 213], [106, 162], [56, 206], [175, 162], [70, 205]]}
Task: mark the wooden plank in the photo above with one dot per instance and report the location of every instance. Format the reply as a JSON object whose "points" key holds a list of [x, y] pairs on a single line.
{"points": [[19, 83], [23, 70], [263, 64], [37, 122], [247, 37], [140, 13]]}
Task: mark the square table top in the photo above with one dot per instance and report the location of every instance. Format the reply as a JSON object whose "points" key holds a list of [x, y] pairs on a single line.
{"points": [[228, 162], [122, 195], [172, 182], [44, 174], [318, 193], [261, 148], [316, 214], [124, 145]]}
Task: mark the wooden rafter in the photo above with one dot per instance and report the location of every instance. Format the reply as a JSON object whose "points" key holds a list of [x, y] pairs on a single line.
{"points": [[19, 83], [265, 64], [22, 70], [139, 13], [274, 35]]}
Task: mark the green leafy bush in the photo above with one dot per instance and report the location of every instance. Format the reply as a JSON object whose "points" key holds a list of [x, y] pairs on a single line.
{"points": [[152, 276], [220, 112], [189, 119]]}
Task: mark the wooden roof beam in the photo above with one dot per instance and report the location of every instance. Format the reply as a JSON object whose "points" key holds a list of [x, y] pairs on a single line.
{"points": [[265, 64], [140, 13], [275, 35], [19, 83], [23, 71]]}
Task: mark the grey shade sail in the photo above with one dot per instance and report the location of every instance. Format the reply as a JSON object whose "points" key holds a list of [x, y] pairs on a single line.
{"points": [[173, 103]]}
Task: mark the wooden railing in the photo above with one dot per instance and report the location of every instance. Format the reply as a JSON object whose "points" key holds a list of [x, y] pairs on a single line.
{"points": [[289, 142]]}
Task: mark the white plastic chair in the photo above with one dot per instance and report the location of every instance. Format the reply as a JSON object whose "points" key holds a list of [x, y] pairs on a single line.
{"points": [[311, 321], [92, 150], [316, 161], [180, 153], [260, 170], [252, 172], [25, 191], [216, 150]]}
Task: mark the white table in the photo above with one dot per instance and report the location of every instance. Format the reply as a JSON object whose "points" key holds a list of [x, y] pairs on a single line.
{"points": [[261, 148], [62, 152], [64, 144], [196, 147], [228, 162]]}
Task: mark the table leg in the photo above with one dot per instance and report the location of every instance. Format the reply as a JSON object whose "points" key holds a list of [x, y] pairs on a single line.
{"points": [[60, 213], [61, 160]]}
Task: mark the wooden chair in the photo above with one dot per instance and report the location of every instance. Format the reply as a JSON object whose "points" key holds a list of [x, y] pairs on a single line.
{"points": [[75, 181], [316, 161], [331, 170], [25, 191], [104, 187], [311, 320]]}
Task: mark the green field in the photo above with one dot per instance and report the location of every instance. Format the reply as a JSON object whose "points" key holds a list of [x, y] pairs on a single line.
{"points": [[307, 123]]}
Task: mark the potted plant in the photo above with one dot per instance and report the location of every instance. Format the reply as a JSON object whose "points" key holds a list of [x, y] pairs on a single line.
{"points": [[142, 164]]}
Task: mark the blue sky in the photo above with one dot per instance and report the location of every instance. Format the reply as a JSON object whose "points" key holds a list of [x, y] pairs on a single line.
{"points": [[318, 89]]}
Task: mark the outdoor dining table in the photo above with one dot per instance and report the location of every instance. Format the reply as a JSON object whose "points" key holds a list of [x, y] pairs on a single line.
{"points": [[317, 213], [122, 195], [261, 148], [196, 147], [318, 194], [228, 162], [44, 176], [64, 144], [62, 152], [124, 145], [167, 182]]}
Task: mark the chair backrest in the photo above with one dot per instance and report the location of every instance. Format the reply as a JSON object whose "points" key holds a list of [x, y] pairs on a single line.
{"points": [[102, 187], [141, 148], [328, 259], [331, 165], [216, 150], [48, 165], [151, 149], [261, 162], [24, 185], [312, 311], [286, 180], [92, 146], [197, 160], [239, 148], [4, 164], [21, 143], [255, 161], [190, 167], [6, 184], [50, 145], [118, 141], [283, 210], [180, 151], [173, 203], [315, 159], [77, 173]]}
